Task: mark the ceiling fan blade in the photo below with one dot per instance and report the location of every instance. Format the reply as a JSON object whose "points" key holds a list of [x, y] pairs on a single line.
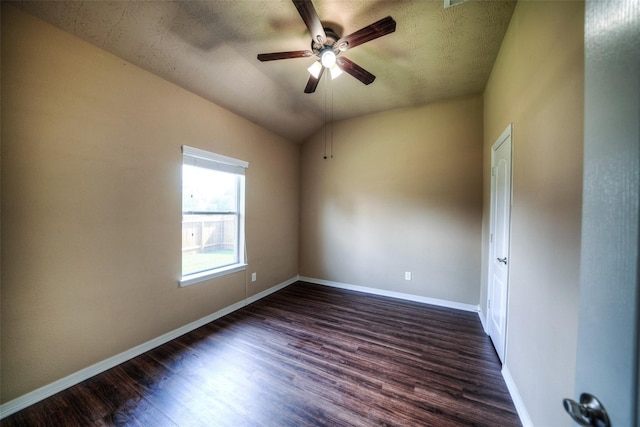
{"points": [[355, 70], [377, 29], [311, 20], [284, 55], [312, 84]]}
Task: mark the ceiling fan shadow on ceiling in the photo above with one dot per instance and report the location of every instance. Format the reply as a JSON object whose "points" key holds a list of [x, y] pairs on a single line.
{"points": [[327, 46]]}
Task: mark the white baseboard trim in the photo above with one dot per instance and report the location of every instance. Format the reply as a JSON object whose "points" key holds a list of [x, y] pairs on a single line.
{"points": [[48, 390], [271, 290], [482, 316], [392, 294], [525, 419]]}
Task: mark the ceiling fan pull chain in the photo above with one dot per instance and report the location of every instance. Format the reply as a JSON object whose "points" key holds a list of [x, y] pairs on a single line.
{"points": [[331, 147], [325, 117]]}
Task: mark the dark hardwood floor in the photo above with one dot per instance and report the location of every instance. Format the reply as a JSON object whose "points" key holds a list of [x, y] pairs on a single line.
{"points": [[307, 355]]}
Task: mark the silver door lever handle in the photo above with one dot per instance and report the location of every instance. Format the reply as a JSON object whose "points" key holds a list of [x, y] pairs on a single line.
{"points": [[504, 260], [589, 412]]}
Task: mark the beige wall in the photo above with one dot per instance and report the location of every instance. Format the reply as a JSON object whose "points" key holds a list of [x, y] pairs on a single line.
{"points": [[537, 84], [403, 192], [91, 204]]}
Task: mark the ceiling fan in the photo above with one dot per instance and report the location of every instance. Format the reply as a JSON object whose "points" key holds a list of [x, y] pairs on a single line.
{"points": [[327, 46]]}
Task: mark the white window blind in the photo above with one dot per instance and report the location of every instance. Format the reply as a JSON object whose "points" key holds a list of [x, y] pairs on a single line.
{"points": [[206, 159]]}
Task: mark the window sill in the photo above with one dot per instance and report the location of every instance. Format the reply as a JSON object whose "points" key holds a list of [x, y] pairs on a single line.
{"points": [[192, 279]]}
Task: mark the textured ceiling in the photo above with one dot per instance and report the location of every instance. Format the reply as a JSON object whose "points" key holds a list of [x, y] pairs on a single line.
{"points": [[210, 48]]}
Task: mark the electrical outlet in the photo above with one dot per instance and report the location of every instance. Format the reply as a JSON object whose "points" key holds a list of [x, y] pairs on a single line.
{"points": [[254, 277], [407, 275]]}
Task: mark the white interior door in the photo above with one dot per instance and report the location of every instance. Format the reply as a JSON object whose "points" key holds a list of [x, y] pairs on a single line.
{"points": [[499, 241], [608, 365]]}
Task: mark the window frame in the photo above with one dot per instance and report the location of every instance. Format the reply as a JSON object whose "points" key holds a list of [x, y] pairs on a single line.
{"points": [[209, 160]]}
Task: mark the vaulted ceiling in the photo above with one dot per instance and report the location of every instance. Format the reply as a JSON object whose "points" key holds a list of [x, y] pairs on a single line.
{"points": [[210, 49]]}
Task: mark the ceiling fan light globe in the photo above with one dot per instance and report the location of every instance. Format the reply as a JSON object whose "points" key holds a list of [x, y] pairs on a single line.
{"points": [[328, 58], [315, 69]]}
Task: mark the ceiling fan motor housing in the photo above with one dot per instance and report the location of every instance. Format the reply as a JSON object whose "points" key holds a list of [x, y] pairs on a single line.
{"points": [[329, 43]]}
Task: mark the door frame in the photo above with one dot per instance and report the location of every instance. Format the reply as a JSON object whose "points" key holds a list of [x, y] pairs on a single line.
{"points": [[504, 138]]}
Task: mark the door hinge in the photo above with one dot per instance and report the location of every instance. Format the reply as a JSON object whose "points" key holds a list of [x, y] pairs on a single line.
{"points": [[489, 304], [493, 171], [491, 238]]}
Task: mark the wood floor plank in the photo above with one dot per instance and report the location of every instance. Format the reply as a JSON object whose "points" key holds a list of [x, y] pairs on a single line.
{"points": [[307, 355]]}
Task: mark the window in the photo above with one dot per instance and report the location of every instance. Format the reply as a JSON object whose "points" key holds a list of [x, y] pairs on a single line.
{"points": [[212, 215]]}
